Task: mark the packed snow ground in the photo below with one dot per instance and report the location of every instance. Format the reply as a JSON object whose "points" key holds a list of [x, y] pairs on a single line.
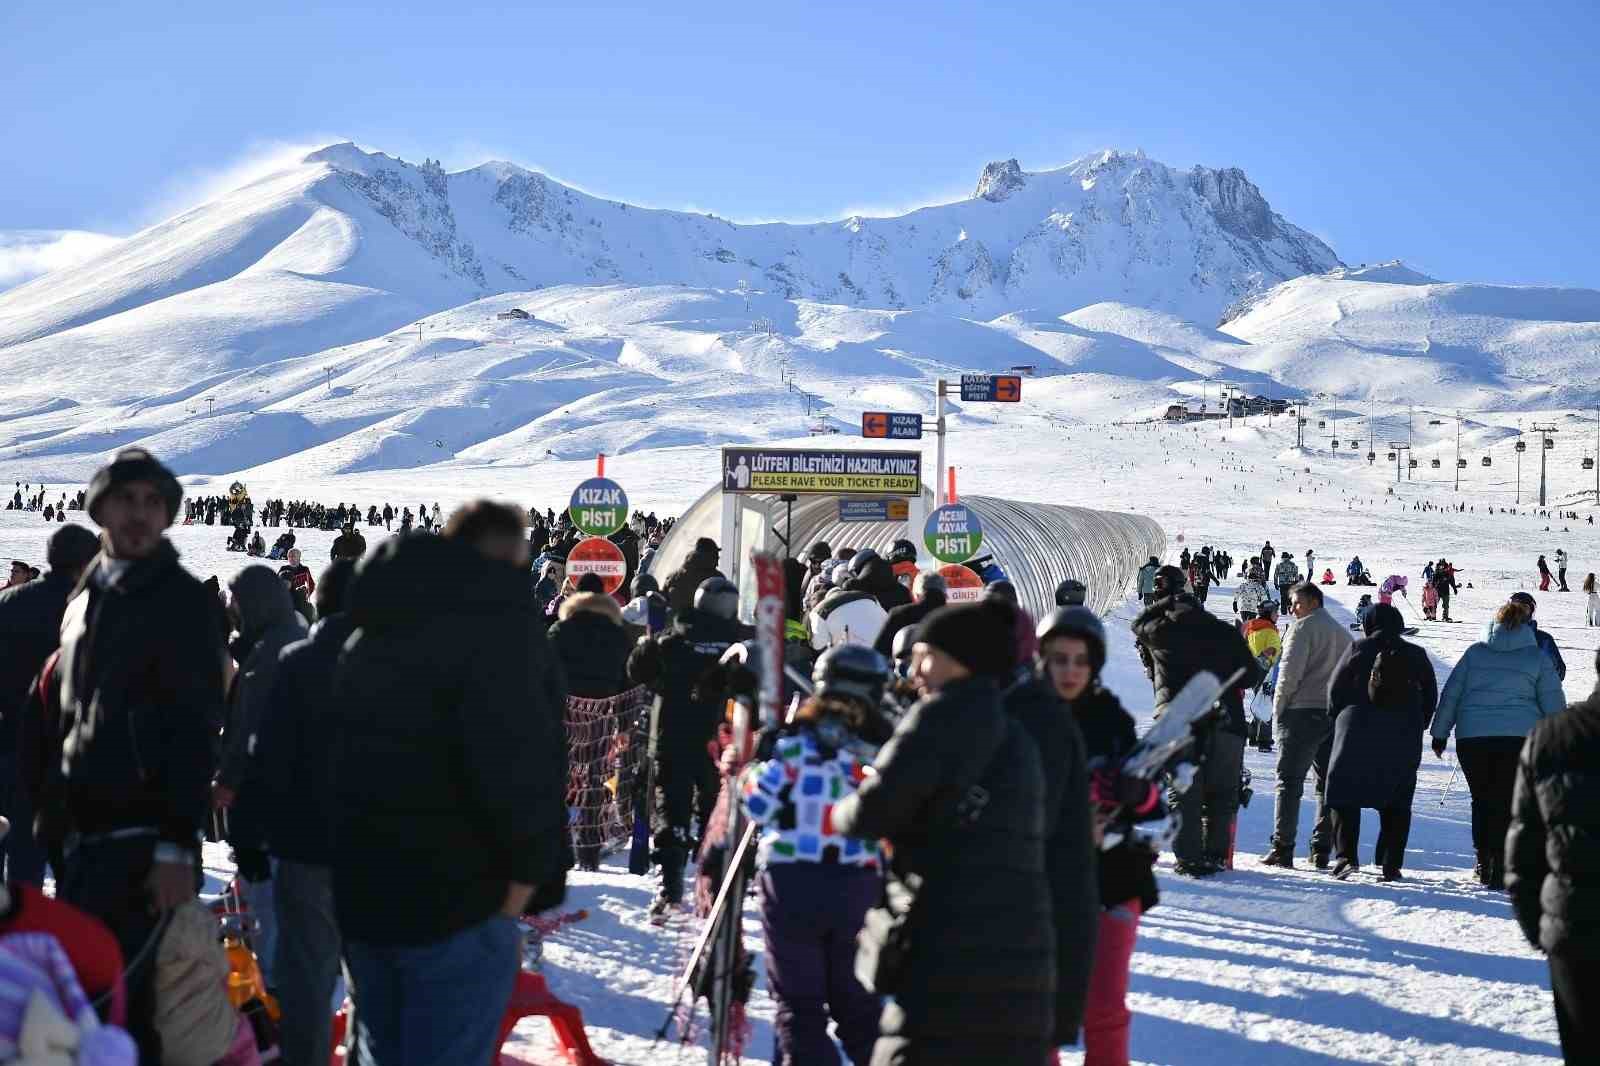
{"points": [[1278, 966]]}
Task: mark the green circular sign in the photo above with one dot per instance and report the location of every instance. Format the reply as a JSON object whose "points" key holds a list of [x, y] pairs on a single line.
{"points": [[599, 507], [953, 533]]}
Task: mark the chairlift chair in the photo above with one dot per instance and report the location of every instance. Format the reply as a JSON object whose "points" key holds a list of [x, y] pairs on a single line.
{"points": [[1372, 457], [1486, 461], [1411, 464], [1392, 457], [1549, 444], [1436, 464], [1522, 445], [1588, 464], [1322, 423], [1461, 464]]}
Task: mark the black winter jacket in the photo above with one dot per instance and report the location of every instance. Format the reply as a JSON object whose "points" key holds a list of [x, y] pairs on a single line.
{"points": [[1108, 735], [268, 624], [141, 701], [979, 980], [1377, 750], [910, 614], [680, 587], [1553, 847], [672, 664], [30, 619], [1069, 852], [1178, 638], [593, 648], [452, 752], [298, 737]]}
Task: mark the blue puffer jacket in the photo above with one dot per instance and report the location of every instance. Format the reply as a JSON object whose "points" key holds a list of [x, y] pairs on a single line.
{"points": [[1501, 687]]}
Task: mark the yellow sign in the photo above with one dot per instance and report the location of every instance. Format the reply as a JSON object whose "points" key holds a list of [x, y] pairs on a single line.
{"points": [[781, 470]]}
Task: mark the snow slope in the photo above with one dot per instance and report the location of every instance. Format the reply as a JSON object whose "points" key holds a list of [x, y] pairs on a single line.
{"points": [[1255, 965]]}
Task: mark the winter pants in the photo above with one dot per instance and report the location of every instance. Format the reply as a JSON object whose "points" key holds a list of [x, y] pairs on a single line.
{"points": [[1544, 581], [1106, 1018], [1305, 742], [1561, 576], [1214, 797], [108, 880], [811, 913], [689, 786], [307, 962], [1394, 829], [24, 856], [1490, 766], [1575, 982], [437, 1003]]}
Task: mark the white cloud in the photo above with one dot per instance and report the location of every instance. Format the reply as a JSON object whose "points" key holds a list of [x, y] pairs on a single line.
{"points": [[27, 253]]}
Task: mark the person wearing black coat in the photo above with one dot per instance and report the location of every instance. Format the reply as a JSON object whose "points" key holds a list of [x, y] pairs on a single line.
{"points": [[1178, 638], [877, 577], [929, 594], [298, 735], [592, 644], [1377, 747], [700, 566], [672, 665], [1552, 856], [1069, 853], [959, 794], [450, 813], [140, 678], [30, 618]]}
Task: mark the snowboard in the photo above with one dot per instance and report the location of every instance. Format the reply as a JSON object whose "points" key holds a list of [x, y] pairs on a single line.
{"points": [[644, 775], [1167, 746]]}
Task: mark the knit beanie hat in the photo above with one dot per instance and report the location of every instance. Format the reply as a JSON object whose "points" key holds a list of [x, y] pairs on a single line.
{"points": [[134, 464], [979, 636]]}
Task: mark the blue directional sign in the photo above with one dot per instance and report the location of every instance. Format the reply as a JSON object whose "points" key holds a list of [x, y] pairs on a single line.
{"points": [[991, 388], [895, 425]]}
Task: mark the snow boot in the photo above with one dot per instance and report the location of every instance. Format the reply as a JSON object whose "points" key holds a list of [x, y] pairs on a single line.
{"points": [[1278, 857], [1343, 869], [1390, 873], [1319, 859]]}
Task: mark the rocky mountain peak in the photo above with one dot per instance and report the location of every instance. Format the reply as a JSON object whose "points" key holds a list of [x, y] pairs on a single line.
{"points": [[1236, 203], [999, 180]]}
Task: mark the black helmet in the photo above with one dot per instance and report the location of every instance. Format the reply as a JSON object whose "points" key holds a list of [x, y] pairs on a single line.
{"points": [[1071, 593], [717, 596], [1170, 581], [1002, 589], [859, 561], [820, 552], [851, 671], [903, 551], [644, 584], [1077, 622]]}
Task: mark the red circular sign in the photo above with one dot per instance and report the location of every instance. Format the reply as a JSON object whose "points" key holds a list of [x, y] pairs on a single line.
{"points": [[598, 556], [961, 584]]}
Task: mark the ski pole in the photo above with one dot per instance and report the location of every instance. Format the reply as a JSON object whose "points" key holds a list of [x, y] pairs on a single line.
{"points": [[704, 941], [1449, 784]]}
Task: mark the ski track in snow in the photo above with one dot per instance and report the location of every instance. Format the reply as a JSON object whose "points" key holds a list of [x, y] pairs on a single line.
{"points": [[1253, 965]]}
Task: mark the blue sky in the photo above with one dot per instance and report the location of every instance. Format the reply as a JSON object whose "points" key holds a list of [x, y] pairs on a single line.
{"points": [[1459, 136]]}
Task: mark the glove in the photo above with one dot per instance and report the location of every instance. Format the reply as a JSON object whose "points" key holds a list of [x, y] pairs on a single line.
{"points": [[1438, 746], [1112, 788]]}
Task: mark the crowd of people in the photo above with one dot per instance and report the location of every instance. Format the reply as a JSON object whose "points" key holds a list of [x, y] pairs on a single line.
{"points": [[944, 756]]}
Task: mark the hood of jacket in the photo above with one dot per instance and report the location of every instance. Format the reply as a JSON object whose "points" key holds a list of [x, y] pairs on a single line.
{"points": [[411, 580], [596, 603], [1498, 638], [263, 601]]}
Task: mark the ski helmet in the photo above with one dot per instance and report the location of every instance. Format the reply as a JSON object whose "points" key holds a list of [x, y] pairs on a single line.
{"points": [[1002, 589], [644, 584], [1079, 622], [1170, 581], [820, 552], [861, 560], [1071, 593], [717, 596], [903, 551], [851, 671]]}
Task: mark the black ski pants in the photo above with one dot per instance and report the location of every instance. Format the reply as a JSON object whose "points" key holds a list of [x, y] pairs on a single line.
{"points": [[689, 784], [1490, 766], [1206, 810], [1575, 983], [1394, 829]]}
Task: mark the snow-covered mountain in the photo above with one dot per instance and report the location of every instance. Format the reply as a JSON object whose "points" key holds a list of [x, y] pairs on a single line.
{"points": [[340, 316]]}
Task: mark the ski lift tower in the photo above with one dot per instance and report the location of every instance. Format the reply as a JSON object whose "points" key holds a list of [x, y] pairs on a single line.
{"points": [[1545, 444], [1401, 450]]}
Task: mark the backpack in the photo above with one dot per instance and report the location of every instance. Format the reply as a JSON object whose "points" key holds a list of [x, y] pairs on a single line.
{"points": [[1391, 683]]}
